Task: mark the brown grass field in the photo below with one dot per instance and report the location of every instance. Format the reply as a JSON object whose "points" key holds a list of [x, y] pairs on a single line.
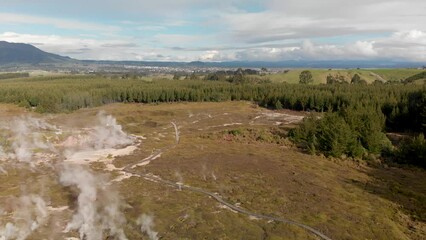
{"points": [[241, 152]]}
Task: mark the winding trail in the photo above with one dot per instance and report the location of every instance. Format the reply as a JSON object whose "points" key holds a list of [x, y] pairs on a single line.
{"points": [[215, 196]]}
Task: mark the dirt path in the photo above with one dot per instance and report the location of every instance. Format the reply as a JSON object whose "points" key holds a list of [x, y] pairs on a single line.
{"points": [[176, 132]]}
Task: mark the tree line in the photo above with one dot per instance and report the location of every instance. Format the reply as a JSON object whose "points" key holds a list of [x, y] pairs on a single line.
{"points": [[358, 131], [67, 93], [13, 75], [356, 115]]}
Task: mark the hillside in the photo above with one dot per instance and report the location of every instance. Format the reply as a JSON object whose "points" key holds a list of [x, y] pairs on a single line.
{"points": [[20, 53]]}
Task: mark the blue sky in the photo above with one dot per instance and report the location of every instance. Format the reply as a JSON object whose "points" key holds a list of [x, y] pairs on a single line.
{"points": [[206, 30]]}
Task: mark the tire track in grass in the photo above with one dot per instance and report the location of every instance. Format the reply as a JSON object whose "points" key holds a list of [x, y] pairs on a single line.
{"points": [[215, 196]]}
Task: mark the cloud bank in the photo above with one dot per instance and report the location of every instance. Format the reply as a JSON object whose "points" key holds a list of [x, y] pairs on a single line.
{"points": [[189, 30]]}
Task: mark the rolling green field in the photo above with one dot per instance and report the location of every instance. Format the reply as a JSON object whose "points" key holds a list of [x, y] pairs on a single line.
{"points": [[288, 76], [370, 75]]}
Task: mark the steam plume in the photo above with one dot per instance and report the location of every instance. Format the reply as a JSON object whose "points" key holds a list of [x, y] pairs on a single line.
{"points": [[147, 223], [109, 134], [26, 137], [3, 171], [29, 213], [2, 153], [99, 209]]}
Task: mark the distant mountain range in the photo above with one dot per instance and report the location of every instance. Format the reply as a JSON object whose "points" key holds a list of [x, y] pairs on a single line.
{"points": [[20, 53], [26, 54]]}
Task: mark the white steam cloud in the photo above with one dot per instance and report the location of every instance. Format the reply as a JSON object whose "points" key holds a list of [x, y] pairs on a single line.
{"points": [[109, 134], [3, 171], [29, 212], [2, 153], [26, 138], [2, 158], [147, 223], [100, 141], [99, 208], [106, 134]]}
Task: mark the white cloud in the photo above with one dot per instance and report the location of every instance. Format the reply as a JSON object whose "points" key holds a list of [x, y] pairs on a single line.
{"points": [[406, 45], [413, 36], [129, 9], [218, 56], [210, 55], [364, 48], [11, 18], [89, 48], [80, 48], [178, 39], [409, 45], [229, 30], [296, 19]]}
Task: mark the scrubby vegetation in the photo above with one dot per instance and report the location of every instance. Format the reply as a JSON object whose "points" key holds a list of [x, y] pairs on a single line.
{"points": [[13, 75], [415, 77], [305, 77], [413, 151]]}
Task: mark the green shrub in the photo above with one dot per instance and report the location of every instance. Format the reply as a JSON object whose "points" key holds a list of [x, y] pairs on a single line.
{"points": [[335, 137], [305, 77], [352, 133], [413, 151], [330, 135], [415, 77], [235, 132], [368, 124]]}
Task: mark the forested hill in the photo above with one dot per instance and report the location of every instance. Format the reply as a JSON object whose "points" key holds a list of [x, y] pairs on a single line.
{"points": [[20, 53]]}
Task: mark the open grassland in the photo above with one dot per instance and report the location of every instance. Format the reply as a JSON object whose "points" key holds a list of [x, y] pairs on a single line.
{"points": [[369, 75], [239, 151], [288, 76]]}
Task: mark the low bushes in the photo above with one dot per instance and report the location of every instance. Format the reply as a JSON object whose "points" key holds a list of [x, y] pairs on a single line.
{"points": [[412, 151]]}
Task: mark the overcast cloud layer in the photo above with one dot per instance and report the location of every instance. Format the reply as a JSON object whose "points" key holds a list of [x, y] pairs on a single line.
{"points": [[208, 30]]}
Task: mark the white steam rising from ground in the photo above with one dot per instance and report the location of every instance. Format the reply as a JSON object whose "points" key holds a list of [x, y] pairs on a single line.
{"points": [[28, 213], [147, 224], [99, 209], [109, 134], [106, 134], [3, 171], [2, 153], [3, 156], [27, 138], [98, 142]]}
